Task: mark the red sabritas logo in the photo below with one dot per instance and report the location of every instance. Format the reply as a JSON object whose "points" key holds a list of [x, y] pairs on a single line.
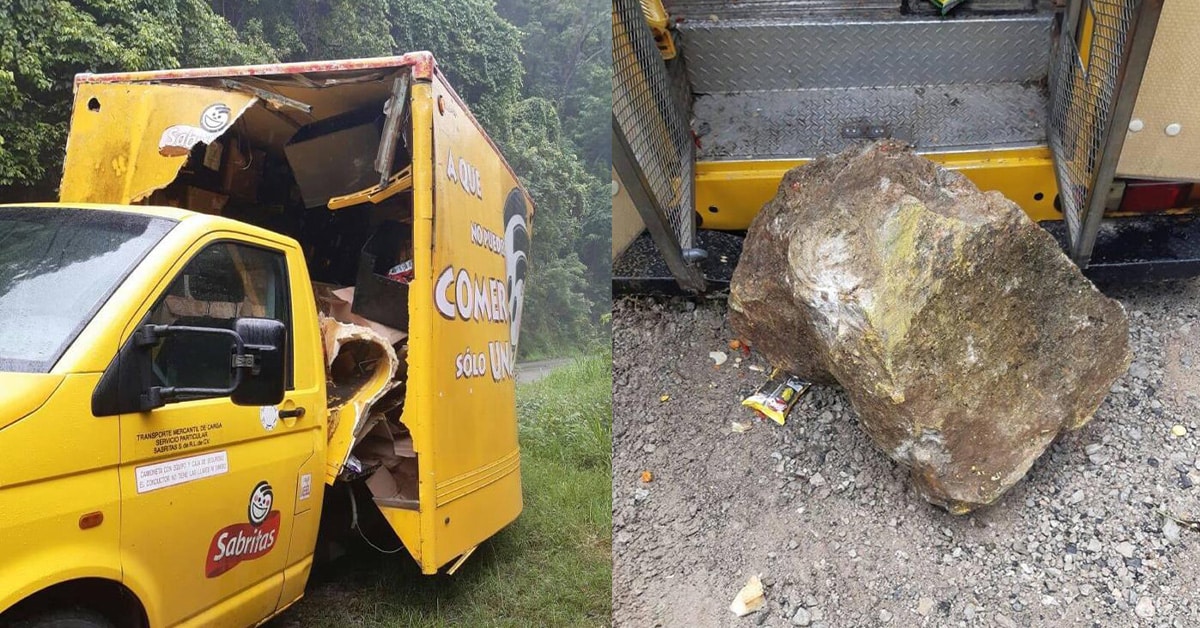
{"points": [[245, 541], [240, 542]]}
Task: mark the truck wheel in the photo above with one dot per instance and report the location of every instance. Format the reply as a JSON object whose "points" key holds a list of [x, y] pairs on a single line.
{"points": [[70, 618]]}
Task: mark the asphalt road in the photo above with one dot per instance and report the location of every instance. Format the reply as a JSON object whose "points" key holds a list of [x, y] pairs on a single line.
{"points": [[533, 371]]}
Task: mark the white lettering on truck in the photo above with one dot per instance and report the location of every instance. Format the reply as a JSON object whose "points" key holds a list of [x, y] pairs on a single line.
{"points": [[464, 174], [240, 545], [465, 297]]}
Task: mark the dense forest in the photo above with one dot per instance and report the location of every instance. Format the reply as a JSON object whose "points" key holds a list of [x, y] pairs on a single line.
{"points": [[536, 72]]}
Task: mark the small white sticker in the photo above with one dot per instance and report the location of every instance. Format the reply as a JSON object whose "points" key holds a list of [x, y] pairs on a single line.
{"points": [[305, 486], [173, 472], [269, 416]]}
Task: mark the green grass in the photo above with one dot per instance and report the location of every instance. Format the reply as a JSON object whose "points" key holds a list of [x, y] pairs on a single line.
{"points": [[552, 567]]}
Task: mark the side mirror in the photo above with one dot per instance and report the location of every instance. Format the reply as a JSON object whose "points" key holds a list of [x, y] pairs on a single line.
{"points": [[262, 382], [257, 354]]}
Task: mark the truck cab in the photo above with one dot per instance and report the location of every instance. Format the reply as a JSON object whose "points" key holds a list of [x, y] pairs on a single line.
{"points": [[260, 284]]}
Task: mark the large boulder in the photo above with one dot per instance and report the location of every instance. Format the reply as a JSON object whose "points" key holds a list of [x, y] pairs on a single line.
{"points": [[964, 338]]}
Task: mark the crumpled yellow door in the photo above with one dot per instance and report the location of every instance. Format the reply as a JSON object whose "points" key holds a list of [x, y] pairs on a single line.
{"points": [[127, 140]]}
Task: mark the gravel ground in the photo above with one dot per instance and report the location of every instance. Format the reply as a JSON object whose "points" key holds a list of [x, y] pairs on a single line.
{"points": [[833, 527]]}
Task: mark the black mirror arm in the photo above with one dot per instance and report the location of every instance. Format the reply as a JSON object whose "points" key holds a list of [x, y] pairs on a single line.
{"points": [[157, 396]]}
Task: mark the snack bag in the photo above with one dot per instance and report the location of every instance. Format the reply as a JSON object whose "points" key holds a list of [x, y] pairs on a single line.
{"points": [[775, 398], [402, 272]]}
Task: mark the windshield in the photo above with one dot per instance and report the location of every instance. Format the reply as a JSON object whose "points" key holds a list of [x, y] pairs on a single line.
{"points": [[57, 267]]}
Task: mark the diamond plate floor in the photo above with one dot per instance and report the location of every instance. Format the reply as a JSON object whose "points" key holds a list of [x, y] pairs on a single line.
{"points": [[810, 122], [790, 51]]}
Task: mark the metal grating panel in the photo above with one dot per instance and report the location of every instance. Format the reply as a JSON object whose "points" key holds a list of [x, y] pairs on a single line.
{"points": [[1084, 86], [648, 116], [781, 54], [812, 122]]}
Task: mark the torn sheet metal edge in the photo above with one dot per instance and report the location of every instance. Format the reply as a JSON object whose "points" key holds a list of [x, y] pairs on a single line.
{"points": [[344, 419], [376, 194], [276, 99]]}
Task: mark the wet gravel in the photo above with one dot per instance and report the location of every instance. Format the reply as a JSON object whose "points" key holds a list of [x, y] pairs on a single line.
{"points": [[837, 534]]}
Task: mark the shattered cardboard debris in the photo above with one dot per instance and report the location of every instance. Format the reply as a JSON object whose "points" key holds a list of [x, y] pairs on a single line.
{"points": [[389, 445], [337, 302], [361, 366], [382, 484], [366, 374]]}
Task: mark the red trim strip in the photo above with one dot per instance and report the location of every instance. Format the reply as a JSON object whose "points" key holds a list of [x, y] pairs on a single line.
{"points": [[422, 63]]}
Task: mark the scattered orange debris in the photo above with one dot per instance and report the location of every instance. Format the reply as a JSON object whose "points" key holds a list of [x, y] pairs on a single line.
{"points": [[647, 476], [735, 344]]}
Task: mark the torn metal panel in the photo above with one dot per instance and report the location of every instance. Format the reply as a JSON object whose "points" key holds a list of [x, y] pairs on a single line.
{"points": [[276, 100], [361, 366], [397, 183], [395, 109], [128, 140]]}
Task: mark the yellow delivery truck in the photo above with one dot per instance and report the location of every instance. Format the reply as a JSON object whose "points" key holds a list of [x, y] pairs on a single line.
{"points": [[261, 285]]}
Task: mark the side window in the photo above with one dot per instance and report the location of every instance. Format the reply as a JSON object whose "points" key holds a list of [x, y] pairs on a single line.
{"points": [[222, 283]]}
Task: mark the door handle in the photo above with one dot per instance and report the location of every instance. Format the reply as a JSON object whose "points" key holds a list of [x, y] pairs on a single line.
{"points": [[297, 413]]}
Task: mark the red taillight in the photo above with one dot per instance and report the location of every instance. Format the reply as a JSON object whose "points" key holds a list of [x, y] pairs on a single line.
{"points": [[1152, 196]]}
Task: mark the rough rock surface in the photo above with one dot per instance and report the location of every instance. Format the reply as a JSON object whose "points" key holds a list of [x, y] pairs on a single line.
{"points": [[963, 337]]}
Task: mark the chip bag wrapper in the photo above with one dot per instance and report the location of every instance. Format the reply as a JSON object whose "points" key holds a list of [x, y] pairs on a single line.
{"points": [[775, 398]]}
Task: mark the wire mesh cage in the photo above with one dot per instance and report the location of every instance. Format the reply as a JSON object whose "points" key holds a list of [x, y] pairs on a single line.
{"points": [[649, 117], [1096, 68]]}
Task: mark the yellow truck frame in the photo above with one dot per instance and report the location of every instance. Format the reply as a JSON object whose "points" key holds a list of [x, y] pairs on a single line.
{"points": [[77, 528]]}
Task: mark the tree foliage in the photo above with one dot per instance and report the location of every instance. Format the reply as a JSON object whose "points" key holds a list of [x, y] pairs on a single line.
{"points": [[567, 59], [44, 43], [566, 54], [536, 73]]}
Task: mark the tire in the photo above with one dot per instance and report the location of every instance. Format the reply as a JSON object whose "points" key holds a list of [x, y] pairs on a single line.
{"points": [[68, 618]]}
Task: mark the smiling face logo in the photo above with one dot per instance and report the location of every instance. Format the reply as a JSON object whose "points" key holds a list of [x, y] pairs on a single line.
{"points": [[516, 260], [178, 139], [261, 500], [240, 542], [215, 117]]}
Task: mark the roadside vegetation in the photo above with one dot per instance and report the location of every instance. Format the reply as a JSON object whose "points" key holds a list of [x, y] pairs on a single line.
{"points": [[536, 72], [552, 567]]}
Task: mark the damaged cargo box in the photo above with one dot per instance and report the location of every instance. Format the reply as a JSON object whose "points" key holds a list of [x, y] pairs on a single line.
{"points": [[417, 259]]}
